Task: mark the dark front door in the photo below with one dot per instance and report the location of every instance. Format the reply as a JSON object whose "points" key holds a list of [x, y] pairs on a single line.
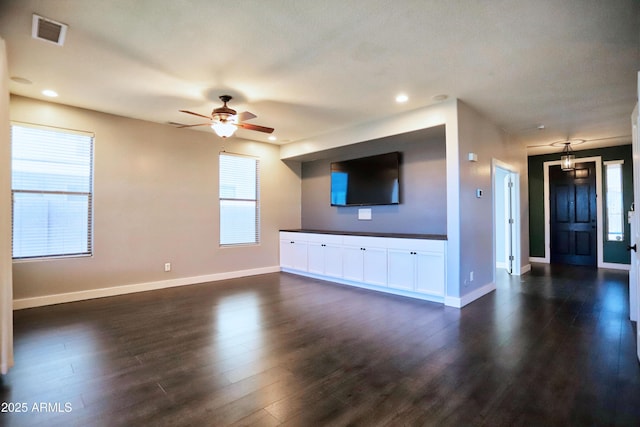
{"points": [[573, 214]]}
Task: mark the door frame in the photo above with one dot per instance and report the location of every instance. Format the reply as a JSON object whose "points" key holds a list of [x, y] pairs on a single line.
{"points": [[599, 220], [634, 274], [515, 212]]}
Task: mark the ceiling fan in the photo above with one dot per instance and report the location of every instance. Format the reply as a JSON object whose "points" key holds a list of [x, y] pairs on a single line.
{"points": [[224, 120]]}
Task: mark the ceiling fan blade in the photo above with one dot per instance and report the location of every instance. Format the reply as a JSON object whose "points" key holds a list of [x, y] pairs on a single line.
{"points": [[195, 114], [245, 115], [199, 124], [259, 128]]}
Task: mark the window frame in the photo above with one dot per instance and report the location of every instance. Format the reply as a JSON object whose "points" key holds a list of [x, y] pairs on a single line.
{"points": [[607, 215], [255, 200], [88, 194]]}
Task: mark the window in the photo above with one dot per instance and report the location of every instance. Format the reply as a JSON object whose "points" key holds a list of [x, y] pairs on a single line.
{"points": [[615, 214], [239, 207], [51, 186]]}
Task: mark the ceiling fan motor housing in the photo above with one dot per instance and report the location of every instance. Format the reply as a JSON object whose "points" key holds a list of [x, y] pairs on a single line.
{"points": [[223, 113]]}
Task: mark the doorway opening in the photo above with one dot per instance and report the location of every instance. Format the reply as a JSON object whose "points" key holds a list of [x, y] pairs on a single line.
{"points": [[596, 161], [506, 218], [573, 214]]}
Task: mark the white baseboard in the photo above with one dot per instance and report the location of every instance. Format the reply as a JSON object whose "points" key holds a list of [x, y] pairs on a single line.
{"points": [[470, 297], [611, 265], [524, 269], [615, 266], [383, 289], [22, 303], [516, 271]]}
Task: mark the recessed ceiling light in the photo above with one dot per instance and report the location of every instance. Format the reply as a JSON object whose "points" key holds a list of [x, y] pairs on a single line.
{"points": [[401, 98], [50, 93], [21, 80], [272, 138], [440, 97]]}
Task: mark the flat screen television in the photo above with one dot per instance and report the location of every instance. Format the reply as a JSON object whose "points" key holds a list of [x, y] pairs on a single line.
{"points": [[366, 181]]}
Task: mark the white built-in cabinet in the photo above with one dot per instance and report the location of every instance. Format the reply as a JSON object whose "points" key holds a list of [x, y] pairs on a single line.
{"points": [[324, 255], [364, 260], [418, 266], [407, 266], [293, 252]]}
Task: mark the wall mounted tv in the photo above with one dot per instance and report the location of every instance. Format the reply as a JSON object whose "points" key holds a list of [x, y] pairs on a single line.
{"points": [[366, 181]]}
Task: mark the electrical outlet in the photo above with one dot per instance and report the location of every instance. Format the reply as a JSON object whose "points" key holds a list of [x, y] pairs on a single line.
{"points": [[167, 266], [471, 276]]}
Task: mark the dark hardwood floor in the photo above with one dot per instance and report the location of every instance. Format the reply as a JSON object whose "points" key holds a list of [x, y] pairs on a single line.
{"points": [[551, 348]]}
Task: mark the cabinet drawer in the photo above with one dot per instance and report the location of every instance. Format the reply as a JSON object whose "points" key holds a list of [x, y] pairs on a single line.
{"points": [[416, 244], [332, 239], [364, 241], [296, 237]]}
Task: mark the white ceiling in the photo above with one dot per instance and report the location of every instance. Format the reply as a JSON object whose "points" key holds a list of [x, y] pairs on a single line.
{"points": [[312, 67]]}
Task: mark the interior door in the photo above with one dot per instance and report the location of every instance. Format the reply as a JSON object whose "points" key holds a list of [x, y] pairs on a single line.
{"points": [[573, 215], [510, 223], [634, 274], [633, 271]]}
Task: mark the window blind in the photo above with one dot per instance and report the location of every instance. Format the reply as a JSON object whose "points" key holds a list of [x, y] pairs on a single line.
{"points": [[239, 201], [52, 184]]}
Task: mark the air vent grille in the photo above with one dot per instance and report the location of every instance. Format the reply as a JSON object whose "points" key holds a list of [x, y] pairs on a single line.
{"points": [[48, 30]]}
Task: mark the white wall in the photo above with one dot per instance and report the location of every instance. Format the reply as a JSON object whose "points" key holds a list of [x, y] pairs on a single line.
{"points": [[443, 113], [6, 317], [155, 201], [479, 135]]}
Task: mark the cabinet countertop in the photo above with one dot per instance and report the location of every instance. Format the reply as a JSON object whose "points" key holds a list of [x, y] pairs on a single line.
{"points": [[371, 234]]}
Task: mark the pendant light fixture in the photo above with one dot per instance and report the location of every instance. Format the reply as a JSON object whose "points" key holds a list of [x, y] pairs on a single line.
{"points": [[568, 160]]}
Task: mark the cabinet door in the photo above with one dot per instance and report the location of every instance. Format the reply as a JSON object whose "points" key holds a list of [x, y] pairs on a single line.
{"points": [[430, 269], [402, 269], [286, 254], [375, 266], [300, 255], [315, 258], [352, 263], [332, 260]]}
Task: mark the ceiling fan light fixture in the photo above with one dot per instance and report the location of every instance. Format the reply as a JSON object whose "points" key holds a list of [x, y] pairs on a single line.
{"points": [[224, 129], [225, 121]]}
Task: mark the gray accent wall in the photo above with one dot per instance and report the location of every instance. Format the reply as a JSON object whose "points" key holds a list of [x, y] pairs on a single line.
{"points": [[423, 192]]}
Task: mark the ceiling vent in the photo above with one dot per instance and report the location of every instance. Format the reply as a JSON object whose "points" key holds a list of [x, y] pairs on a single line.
{"points": [[48, 30]]}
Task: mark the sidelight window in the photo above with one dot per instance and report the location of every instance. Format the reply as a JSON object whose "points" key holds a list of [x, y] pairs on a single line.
{"points": [[614, 209]]}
